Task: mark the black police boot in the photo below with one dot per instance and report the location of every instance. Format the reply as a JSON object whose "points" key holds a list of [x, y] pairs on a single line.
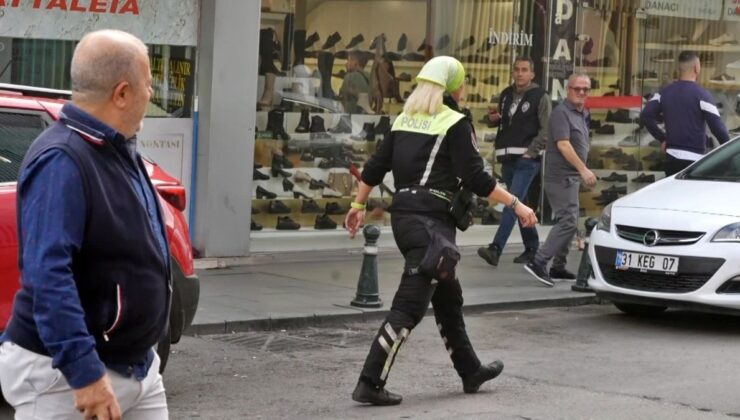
{"points": [[275, 120], [323, 221], [490, 254], [526, 256], [367, 393], [304, 124], [472, 382]]}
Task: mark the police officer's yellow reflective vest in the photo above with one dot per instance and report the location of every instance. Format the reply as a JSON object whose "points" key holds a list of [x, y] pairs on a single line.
{"points": [[432, 125]]}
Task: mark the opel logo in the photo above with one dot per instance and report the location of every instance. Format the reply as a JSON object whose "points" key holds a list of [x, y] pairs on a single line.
{"points": [[651, 238]]}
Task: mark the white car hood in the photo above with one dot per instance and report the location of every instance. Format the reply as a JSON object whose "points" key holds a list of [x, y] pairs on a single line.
{"points": [[705, 197]]}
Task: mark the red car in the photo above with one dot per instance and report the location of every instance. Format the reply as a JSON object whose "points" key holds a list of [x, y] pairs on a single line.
{"points": [[24, 113]]}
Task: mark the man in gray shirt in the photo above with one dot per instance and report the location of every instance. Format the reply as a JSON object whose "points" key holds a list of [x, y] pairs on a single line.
{"points": [[565, 169]]}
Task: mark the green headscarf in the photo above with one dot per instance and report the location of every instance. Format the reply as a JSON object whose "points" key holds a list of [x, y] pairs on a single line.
{"points": [[445, 71]]}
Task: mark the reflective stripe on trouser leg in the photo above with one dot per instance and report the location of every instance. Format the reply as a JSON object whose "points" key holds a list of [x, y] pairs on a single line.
{"points": [[447, 302], [383, 352], [392, 354]]}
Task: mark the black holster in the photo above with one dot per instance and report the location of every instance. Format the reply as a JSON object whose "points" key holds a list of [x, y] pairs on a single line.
{"points": [[461, 208]]}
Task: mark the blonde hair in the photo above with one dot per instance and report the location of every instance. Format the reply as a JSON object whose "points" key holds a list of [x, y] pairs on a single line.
{"points": [[426, 99]]}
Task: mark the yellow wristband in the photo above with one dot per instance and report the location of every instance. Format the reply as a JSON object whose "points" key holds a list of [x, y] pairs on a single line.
{"points": [[358, 206]]}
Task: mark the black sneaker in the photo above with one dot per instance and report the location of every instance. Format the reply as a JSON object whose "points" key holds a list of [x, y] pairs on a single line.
{"points": [[310, 206], [561, 274], [366, 393], [471, 383], [539, 273], [490, 254], [286, 223], [526, 256], [323, 221], [255, 225]]}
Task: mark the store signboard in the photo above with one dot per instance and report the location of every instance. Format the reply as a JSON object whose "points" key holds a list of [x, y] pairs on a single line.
{"points": [[696, 9], [562, 46], [732, 10], [163, 22]]}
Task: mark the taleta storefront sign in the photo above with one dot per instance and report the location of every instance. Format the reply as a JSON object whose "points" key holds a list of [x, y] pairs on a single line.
{"points": [[162, 22], [696, 9]]}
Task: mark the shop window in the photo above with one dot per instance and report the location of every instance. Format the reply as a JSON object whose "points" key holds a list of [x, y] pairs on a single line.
{"points": [[334, 74]]}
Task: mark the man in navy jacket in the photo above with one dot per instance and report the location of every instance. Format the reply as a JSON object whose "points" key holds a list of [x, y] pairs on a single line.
{"points": [[687, 109], [93, 253]]}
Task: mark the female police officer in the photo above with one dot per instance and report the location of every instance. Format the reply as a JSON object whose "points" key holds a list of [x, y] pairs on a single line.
{"points": [[432, 152]]}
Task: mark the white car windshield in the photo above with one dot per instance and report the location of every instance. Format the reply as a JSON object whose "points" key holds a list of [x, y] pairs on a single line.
{"points": [[722, 165]]}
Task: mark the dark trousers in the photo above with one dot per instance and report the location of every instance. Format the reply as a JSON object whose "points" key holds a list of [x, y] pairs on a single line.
{"points": [[412, 300], [672, 165]]}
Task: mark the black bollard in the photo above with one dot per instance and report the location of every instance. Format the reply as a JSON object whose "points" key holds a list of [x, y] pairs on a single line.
{"points": [[367, 286], [585, 271]]}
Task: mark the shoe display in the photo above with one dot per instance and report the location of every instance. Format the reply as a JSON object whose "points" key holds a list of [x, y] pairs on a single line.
{"points": [[724, 39], [328, 192], [300, 176], [490, 254], [277, 171], [629, 141], [281, 161], [366, 134], [485, 373], [384, 126], [343, 126], [618, 116], [355, 41], [300, 194], [467, 42], [304, 124], [275, 123], [605, 129], [402, 41], [255, 226], [723, 78], [318, 131], [314, 184], [323, 221], [263, 193], [366, 393], [334, 207], [377, 41], [287, 185], [647, 75], [644, 178], [331, 41], [615, 190], [443, 42], [286, 223], [526, 256], [310, 206], [664, 57], [259, 176], [278, 207], [615, 177], [678, 39], [539, 273]]}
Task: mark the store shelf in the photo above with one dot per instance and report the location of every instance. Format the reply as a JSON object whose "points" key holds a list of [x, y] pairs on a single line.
{"points": [[419, 64], [724, 85], [663, 47]]}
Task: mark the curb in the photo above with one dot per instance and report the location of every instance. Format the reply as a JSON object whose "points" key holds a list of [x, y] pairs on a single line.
{"points": [[316, 320]]}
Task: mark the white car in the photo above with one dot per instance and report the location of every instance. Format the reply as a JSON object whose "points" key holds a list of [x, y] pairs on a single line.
{"points": [[674, 243]]}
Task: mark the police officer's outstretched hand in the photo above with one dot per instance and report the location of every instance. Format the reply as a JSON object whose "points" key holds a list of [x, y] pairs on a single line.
{"points": [[354, 221], [526, 215]]}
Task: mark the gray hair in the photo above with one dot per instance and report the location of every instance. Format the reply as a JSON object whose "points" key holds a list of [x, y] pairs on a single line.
{"points": [[426, 98], [572, 78], [101, 60]]}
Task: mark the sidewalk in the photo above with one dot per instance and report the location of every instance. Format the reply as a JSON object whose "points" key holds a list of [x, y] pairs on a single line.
{"points": [[289, 294]]}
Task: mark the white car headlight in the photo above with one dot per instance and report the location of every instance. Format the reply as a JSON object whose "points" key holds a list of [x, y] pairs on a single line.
{"points": [[729, 233], [605, 220]]}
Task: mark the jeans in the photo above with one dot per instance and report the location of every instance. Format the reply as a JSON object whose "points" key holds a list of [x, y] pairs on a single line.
{"points": [[518, 176]]}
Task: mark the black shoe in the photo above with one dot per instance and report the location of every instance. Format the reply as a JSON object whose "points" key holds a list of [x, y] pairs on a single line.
{"points": [[310, 206], [255, 225], [539, 273], [366, 393], [343, 126], [323, 221], [378, 40], [286, 223], [278, 171], [605, 129], [355, 41], [278, 207], [366, 134], [287, 185], [298, 194], [331, 41], [471, 383], [490, 254], [263, 193], [594, 124], [561, 274], [619, 116], [304, 124], [318, 131], [466, 43], [615, 177], [412, 56], [282, 161], [335, 208], [275, 120], [311, 39], [402, 43], [259, 176], [443, 42], [384, 125], [643, 177], [526, 256], [317, 184], [307, 157]]}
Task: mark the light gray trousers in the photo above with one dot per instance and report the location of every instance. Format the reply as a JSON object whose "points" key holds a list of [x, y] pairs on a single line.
{"points": [[563, 197], [37, 391]]}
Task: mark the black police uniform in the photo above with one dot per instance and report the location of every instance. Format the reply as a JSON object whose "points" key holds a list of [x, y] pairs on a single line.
{"points": [[431, 157]]}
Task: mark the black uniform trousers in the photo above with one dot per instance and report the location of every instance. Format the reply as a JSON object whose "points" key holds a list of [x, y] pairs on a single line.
{"points": [[412, 300]]}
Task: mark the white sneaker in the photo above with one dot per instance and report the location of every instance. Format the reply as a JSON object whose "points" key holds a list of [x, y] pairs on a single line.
{"points": [[331, 193], [722, 40], [734, 65]]}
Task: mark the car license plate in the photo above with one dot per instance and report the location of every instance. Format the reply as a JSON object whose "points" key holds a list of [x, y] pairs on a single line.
{"points": [[646, 262]]}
